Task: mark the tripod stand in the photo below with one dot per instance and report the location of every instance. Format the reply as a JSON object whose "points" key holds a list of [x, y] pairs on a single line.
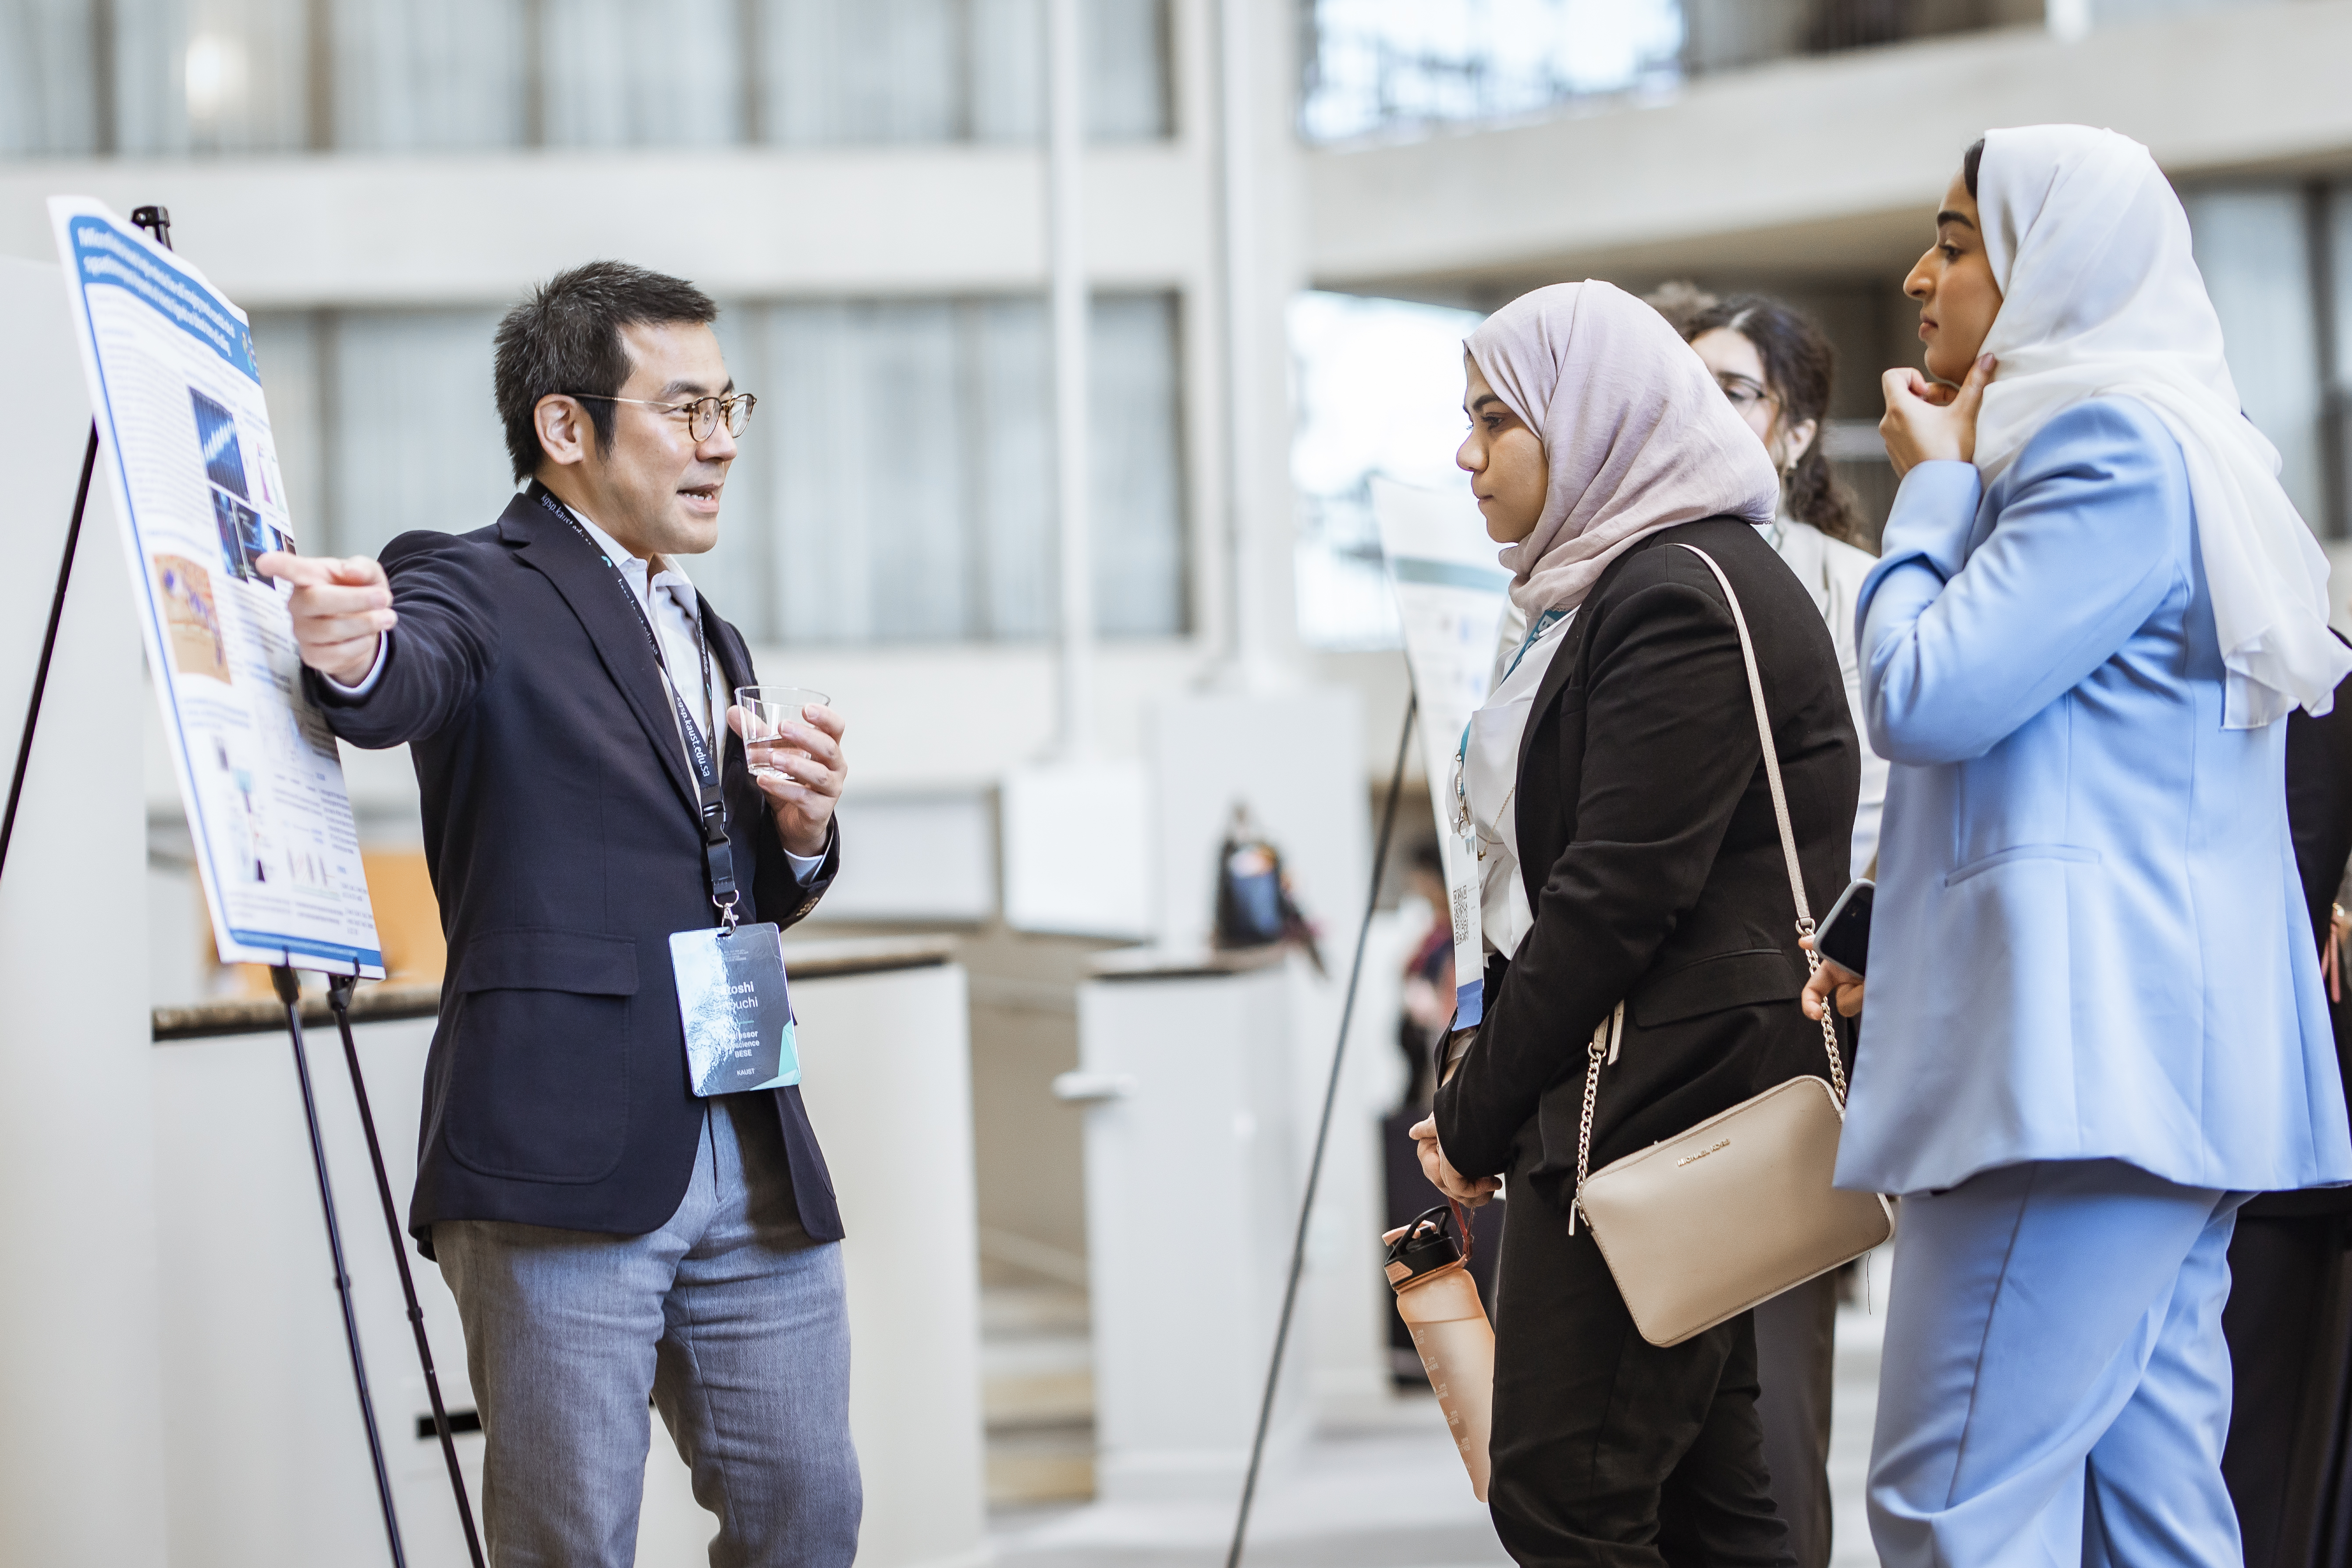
{"points": [[287, 987]]}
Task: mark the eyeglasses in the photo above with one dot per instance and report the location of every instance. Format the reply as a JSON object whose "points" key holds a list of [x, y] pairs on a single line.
{"points": [[703, 414], [1742, 393]]}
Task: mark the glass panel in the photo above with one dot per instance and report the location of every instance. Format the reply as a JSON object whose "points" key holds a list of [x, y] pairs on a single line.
{"points": [[881, 70], [738, 570], [414, 436], [211, 75], [48, 81], [1380, 394], [1009, 445], [910, 469], [1136, 500], [427, 73], [1383, 64], [642, 73], [286, 347], [2252, 248]]}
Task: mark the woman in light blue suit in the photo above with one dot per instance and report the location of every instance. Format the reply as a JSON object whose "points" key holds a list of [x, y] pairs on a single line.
{"points": [[2095, 1020]]}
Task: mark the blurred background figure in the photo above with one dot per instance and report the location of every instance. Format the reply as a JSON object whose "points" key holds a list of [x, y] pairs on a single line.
{"points": [[1776, 367], [2289, 1320]]}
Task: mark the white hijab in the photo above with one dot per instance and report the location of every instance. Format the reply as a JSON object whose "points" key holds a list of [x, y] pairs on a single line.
{"points": [[2100, 297]]}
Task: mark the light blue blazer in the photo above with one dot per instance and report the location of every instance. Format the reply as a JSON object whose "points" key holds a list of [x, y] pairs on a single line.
{"points": [[2089, 941]]}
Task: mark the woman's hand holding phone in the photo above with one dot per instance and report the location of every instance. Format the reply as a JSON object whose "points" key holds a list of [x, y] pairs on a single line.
{"points": [[1832, 981]]}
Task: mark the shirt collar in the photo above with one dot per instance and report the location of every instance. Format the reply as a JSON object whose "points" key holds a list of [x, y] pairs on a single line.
{"points": [[672, 577]]}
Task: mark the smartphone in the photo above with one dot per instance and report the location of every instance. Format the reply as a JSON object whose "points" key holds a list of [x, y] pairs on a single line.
{"points": [[1844, 937]]}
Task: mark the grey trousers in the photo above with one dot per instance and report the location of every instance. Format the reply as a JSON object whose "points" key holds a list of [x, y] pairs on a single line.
{"points": [[734, 1324]]}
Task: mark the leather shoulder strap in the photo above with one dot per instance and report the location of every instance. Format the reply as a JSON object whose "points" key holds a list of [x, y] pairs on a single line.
{"points": [[1764, 733]]}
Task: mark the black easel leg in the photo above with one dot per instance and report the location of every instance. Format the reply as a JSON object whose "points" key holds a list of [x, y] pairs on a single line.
{"points": [[48, 647], [1322, 1138], [289, 992], [339, 997]]}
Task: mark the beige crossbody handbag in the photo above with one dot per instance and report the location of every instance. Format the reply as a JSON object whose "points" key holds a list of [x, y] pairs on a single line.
{"points": [[1703, 1226]]}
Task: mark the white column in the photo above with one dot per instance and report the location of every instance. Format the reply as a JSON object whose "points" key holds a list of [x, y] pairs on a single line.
{"points": [[81, 1451], [1066, 153]]}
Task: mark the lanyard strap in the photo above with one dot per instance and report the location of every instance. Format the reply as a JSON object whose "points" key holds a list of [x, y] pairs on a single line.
{"points": [[710, 815]]}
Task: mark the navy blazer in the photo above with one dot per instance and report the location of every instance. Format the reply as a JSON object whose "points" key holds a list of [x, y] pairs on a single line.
{"points": [[561, 832]]}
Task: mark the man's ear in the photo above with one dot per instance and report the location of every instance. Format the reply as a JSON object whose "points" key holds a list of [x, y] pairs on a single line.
{"points": [[565, 433]]}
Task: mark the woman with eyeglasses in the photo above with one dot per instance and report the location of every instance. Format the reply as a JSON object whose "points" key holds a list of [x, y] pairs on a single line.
{"points": [[1774, 365]]}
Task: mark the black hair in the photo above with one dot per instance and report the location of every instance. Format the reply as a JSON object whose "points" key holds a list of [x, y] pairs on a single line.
{"points": [[1969, 161], [566, 338], [1799, 363]]}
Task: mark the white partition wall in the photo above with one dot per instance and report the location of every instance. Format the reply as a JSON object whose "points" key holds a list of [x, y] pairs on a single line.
{"points": [[1191, 1161], [267, 1465], [79, 1305]]}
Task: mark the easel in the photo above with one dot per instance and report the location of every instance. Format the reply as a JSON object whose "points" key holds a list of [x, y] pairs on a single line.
{"points": [[287, 985]]}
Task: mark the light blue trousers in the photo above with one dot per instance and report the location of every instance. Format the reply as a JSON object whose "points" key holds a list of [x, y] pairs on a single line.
{"points": [[2055, 1388], [735, 1326]]}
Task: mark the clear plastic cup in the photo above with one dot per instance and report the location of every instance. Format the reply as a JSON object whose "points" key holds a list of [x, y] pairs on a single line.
{"points": [[767, 712]]}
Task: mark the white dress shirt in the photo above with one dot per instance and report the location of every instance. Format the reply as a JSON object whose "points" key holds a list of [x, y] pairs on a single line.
{"points": [[1832, 572], [670, 603]]}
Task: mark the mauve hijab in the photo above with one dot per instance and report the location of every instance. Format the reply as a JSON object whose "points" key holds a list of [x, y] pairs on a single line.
{"points": [[1636, 433]]}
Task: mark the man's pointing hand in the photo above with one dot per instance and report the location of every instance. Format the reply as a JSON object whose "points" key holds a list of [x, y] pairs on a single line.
{"points": [[342, 606]]}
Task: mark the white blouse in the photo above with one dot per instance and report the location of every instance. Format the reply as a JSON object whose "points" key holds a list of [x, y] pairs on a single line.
{"points": [[1831, 573], [1489, 773]]}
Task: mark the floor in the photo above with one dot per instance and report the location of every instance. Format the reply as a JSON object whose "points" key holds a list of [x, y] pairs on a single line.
{"points": [[1387, 1492]]}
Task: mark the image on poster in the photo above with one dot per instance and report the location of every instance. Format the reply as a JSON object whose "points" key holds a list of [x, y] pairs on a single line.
{"points": [[184, 443]]}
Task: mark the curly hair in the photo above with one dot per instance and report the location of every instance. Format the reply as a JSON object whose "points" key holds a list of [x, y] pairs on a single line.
{"points": [[1798, 364]]}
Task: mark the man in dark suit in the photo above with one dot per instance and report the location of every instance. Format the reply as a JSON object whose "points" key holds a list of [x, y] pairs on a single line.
{"points": [[607, 1235]]}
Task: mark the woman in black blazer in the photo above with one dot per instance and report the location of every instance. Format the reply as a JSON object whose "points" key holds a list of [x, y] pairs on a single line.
{"points": [[1643, 866]]}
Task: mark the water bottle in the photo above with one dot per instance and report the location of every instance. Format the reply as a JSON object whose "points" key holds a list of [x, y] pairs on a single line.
{"points": [[1428, 1271]]}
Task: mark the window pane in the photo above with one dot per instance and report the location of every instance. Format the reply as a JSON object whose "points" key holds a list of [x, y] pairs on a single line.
{"points": [[49, 85], [881, 70], [211, 75], [910, 468], [414, 440], [1138, 525], [427, 73], [642, 73], [2252, 246]]}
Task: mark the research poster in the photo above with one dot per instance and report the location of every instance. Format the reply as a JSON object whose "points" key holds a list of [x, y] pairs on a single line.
{"points": [[184, 443], [1449, 596]]}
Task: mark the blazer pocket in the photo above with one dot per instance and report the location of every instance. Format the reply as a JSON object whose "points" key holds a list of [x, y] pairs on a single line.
{"points": [[1710, 984], [539, 1083], [1984, 863]]}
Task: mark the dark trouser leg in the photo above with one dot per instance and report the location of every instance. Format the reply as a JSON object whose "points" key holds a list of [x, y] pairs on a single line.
{"points": [[1608, 1449], [2289, 1323], [1796, 1368]]}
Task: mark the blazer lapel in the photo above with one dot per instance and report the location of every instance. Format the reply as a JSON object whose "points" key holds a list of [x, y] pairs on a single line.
{"points": [[599, 598]]}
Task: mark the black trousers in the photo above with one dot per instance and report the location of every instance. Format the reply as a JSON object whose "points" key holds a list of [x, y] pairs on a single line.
{"points": [[1606, 1450], [1796, 1367], [2289, 1323]]}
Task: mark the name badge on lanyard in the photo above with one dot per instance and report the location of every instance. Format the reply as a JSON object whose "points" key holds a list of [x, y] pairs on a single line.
{"points": [[732, 999], [1463, 890]]}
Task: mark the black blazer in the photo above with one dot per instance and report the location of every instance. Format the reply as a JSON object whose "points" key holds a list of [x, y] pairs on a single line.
{"points": [[1653, 864], [561, 831]]}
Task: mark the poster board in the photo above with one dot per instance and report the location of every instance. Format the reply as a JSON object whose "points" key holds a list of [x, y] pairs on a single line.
{"points": [[1451, 597], [185, 447]]}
